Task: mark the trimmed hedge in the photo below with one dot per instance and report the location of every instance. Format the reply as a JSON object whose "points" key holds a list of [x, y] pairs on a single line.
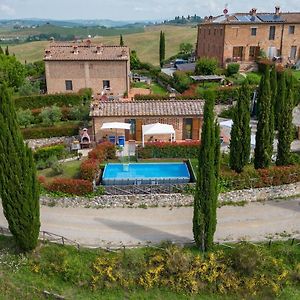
{"points": [[44, 153], [89, 169], [48, 132], [78, 187], [169, 150], [39, 101]]}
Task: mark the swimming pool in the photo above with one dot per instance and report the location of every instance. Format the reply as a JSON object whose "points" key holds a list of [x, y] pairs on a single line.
{"points": [[145, 173]]}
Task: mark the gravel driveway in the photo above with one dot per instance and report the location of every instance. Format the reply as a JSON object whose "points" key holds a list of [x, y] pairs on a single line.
{"points": [[100, 227]]}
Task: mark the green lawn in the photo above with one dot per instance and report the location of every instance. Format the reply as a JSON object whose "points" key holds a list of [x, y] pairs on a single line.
{"points": [[157, 89], [296, 74], [70, 170]]}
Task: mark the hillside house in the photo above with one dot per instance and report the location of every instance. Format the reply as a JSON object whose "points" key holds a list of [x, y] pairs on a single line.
{"points": [[241, 37], [184, 115], [73, 66]]}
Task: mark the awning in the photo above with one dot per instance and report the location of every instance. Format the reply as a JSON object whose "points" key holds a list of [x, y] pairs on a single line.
{"points": [[227, 123], [158, 128], [116, 125]]}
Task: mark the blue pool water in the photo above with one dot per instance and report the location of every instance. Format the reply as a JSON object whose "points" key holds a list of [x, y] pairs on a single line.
{"points": [[149, 173]]}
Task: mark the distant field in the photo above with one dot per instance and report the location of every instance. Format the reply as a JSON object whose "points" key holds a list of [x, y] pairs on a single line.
{"points": [[146, 44]]}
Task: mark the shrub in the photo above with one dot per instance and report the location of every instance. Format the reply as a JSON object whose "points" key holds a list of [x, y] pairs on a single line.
{"points": [[169, 150], [89, 169], [206, 66], [79, 113], [232, 68], [39, 101], [25, 117], [182, 81], [29, 88], [78, 187], [253, 78], [44, 153], [51, 115], [47, 132], [103, 152]]}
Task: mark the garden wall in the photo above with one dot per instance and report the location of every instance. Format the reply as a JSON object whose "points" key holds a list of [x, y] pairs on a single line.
{"points": [[163, 200]]}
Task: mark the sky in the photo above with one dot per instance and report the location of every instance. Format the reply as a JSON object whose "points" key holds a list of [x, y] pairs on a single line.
{"points": [[132, 9]]}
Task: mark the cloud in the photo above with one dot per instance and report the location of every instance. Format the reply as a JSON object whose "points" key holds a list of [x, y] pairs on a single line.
{"points": [[6, 9]]}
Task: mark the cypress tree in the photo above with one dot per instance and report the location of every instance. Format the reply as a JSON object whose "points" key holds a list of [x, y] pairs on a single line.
{"points": [[162, 48], [205, 200], [280, 94], [262, 156], [240, 141], [285, 125], [19, 189], [121, 40], [1, 50], [273, 85], [6, 50]]}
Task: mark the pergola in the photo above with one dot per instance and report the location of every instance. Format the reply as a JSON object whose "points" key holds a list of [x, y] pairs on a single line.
{"points": [[158, 128]]}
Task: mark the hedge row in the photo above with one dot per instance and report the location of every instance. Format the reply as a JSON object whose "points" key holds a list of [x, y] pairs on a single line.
{"points": [[39, 101], [91, 167], [48, 132], [44, 153], [169, 150], [70, 186]]}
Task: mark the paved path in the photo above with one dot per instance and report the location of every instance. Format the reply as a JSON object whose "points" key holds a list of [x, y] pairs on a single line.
{"points": [[96, 227]]}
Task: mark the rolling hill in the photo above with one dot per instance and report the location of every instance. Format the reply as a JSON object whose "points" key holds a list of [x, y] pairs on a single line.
{"points": [[145, 43]]}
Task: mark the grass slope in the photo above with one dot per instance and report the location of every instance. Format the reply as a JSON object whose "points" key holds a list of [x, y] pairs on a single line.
{"points": [[146, 43]]}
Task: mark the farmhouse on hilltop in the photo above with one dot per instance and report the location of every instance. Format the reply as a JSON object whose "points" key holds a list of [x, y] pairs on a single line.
{"points": [[241, 37], [73, 66]]}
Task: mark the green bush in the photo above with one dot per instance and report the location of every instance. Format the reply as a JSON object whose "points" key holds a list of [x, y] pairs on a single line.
{"points": [[227, 113], [29, 88], [39, 101], [25, 117], [182, 81], [44, 153], [253, 78], [206, 66], [50, 115], [47, 132], [232, 68]]}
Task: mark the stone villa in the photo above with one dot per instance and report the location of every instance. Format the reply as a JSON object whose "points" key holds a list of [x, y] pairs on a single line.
{"points": [[240, 37], [73, 66]]}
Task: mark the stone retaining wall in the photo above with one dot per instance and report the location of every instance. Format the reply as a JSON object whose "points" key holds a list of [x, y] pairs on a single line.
{"points": [[170, 200], [36, 143]]}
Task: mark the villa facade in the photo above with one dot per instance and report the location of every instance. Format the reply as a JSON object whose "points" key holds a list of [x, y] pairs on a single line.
{"points": [[241, 37], [185, 116], [72, 66]]}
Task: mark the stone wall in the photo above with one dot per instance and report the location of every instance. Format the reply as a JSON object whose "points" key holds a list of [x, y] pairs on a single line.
{"points": [[36, 143], [163, 200]]}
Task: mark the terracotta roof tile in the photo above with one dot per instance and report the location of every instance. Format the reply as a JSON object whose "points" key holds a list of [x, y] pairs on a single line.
{"points": [[148, 108], [85, 51]]}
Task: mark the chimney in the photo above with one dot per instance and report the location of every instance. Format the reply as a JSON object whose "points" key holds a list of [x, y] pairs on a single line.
{"points": [[47, 53], [99, 49], [75, 49], [277, 10], [123, 53], [88, 42], [253, 12]]}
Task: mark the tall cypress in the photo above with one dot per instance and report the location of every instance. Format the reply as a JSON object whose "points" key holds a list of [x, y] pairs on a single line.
{"points": [[240, 141], [1, 50], [285, 125], [6, 50], [19, 189], [262, 156], [162, 48], [206, 195], [273, 85], [280, 93], [121, 40]]}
